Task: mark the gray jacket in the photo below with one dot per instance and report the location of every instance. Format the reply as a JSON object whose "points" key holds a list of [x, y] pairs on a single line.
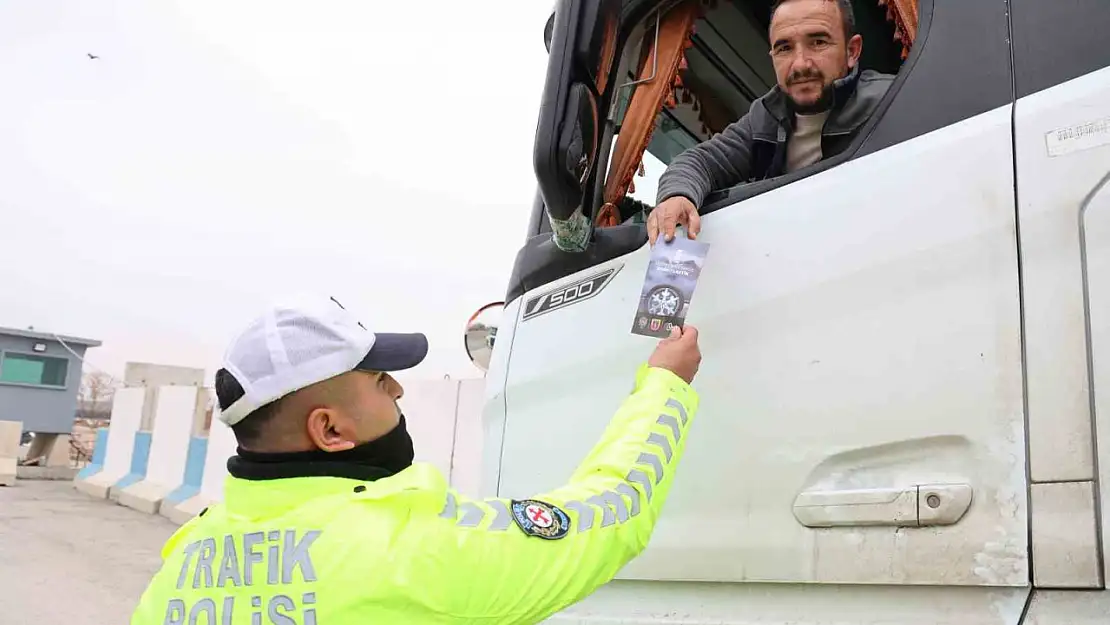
{"points": [[754, 147]]}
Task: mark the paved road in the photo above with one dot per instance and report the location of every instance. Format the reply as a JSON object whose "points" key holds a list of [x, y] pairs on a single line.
{"points": [[68, 558]]}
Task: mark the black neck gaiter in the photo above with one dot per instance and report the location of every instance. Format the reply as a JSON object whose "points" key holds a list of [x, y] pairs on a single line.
{"points": [[370, 461]]}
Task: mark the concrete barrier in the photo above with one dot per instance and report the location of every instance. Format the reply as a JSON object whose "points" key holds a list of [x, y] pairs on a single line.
{"points": [[100, 448], [175, 416], [140, 460], [187, 468], [10, 433], [190, 483], [153, 379], [221, 446], [120, 444]]}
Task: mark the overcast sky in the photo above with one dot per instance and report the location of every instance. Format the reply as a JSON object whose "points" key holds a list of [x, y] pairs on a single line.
{"points": [[222, 152]]}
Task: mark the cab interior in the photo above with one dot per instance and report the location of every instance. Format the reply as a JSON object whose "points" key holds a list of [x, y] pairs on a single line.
{"points": [[726, 67]]}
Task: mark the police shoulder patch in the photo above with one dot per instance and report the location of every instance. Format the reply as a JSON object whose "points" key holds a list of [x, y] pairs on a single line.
{"points": [[543, 520]]}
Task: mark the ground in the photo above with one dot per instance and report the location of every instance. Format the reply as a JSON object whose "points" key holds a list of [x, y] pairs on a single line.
{"points": [[68, 558]]}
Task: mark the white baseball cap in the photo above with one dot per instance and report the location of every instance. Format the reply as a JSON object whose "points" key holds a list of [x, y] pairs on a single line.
{"points": [[299, 342]]}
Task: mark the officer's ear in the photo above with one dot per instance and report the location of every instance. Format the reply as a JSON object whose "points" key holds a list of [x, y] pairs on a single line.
{"points": [[328, 430]]}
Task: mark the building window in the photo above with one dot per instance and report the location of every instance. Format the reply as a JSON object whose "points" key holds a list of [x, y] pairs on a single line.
{"points": [[35, 370]]}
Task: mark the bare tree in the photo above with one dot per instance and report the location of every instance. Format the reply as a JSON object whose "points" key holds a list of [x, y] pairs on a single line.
{"points": [[94, 410], [94, 400]]}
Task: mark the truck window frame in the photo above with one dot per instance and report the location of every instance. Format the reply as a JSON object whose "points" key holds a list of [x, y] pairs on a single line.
{"points": [[935, 87], [718, 200]]}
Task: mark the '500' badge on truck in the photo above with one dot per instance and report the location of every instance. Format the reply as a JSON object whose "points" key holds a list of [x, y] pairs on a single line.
{"points": [[568, 294]]}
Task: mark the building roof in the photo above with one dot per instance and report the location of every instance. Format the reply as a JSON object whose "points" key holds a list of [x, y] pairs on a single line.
{"points": [[49, 336]]}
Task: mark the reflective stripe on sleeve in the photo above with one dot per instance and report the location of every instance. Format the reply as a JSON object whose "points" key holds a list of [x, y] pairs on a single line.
{"points": [[617, 505]]}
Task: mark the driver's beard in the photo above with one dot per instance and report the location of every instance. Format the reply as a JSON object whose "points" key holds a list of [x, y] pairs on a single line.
{"points": [[821, 105]]}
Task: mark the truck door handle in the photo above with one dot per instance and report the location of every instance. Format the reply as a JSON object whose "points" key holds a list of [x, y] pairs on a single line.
{"points": [[922, 505]]}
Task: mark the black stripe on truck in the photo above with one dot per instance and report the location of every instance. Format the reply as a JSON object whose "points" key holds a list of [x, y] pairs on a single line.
{"points": [[1058, 40]]}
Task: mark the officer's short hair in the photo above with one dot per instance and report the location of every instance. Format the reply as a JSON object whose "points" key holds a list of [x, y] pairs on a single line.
{"points": [[847, 15], [250, 429]]}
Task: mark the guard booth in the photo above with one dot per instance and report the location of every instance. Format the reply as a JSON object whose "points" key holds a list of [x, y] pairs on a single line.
{"points": [[40, 375]]}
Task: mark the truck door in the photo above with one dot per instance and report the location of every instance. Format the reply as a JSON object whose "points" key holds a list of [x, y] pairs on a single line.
{"points": [[862, 393], [1062, 137]]}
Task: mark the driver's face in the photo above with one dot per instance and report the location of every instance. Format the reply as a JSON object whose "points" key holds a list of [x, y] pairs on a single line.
{"points": [[809, 50]]}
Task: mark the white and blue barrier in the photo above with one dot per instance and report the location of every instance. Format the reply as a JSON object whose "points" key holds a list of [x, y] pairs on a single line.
{"points": [[176, 469], [126, 449], [177, 410], [194, 472], [220, 446], [140, 457], [96, 465]]}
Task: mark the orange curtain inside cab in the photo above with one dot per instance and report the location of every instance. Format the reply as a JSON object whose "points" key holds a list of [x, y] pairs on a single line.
{"points": [[660, 62], [903, 13]]}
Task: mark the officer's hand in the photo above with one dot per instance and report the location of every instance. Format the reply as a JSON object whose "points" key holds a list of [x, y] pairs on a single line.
{"points": [[678, 353], [669, 214]]}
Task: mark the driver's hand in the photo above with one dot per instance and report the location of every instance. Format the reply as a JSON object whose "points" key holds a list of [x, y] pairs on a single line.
{"points": [[671, 213]]}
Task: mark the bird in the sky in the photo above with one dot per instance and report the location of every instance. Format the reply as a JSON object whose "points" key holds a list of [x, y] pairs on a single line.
{"points": [[93, 56]]}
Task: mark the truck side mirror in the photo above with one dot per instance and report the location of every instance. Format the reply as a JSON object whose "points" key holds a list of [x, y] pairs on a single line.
{"points": [[581, 48], [481, 332]]}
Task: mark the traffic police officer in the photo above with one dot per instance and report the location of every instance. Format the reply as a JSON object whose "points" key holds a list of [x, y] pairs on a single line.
{"points": [[326, 520]]}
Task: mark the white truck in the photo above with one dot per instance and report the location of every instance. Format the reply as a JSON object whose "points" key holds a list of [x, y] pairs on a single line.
{"points": [[906, 347]]}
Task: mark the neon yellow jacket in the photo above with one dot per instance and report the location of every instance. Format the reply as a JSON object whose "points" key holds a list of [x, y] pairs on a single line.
{"points": [[409, 550]]}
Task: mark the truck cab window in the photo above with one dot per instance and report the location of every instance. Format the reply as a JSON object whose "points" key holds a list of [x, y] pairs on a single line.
{"points": [[725, 68]]}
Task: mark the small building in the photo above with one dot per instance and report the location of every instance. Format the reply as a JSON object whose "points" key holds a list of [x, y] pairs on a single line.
{"points": [[40, 376]]}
